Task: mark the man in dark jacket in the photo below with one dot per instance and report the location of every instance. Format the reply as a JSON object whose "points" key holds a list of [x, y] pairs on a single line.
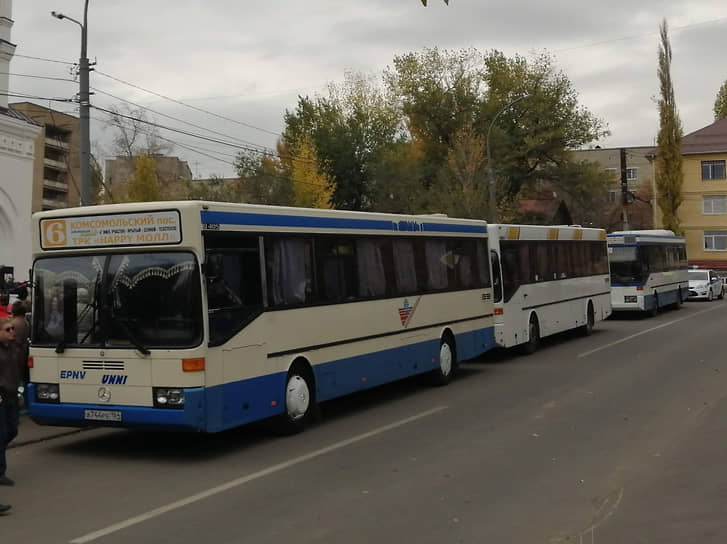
{"points": [[10, 374]]}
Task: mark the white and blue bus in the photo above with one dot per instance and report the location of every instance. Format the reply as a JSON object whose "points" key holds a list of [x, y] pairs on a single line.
{"points": [[206, 316], [649, 270], [547, 280]]}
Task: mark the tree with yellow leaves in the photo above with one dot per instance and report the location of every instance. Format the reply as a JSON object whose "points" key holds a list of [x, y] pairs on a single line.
{"points": [[311, 186], [144, 187]]}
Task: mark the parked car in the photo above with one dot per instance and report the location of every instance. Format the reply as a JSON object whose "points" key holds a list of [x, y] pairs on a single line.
{"points": [[705, 285]]}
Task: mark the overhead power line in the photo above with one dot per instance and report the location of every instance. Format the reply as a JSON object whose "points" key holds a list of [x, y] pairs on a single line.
{"points": [[177, 119], [248, 125]]}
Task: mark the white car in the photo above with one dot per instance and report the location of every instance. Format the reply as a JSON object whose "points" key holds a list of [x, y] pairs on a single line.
{"points": [[705, 285]]}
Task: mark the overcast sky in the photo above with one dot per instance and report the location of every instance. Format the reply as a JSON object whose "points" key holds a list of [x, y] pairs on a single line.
{"points": [[249, 60]]}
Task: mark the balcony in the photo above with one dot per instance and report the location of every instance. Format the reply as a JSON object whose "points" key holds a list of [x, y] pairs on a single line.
{"points": [[60, 186], [57, 144], [52, 204], [58, 165]]}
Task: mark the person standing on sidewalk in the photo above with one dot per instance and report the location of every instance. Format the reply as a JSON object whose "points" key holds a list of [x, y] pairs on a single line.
{"points": [[10, 373]]}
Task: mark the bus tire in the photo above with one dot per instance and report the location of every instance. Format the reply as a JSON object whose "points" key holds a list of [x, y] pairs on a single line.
{"points": [[442, 375], [531, 346], [653, 312], [299, 399], [680, 301], [587, 329]]}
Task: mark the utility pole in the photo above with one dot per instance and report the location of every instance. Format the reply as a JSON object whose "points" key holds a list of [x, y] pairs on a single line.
{"points": [[84, 105], [624, 190]]}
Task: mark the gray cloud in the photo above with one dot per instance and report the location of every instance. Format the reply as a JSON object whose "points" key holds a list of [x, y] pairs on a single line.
{"points": [[249, 60]]}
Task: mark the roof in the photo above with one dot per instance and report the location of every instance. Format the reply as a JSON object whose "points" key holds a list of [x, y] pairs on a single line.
{"points": [[710, 139], [17, 115]]}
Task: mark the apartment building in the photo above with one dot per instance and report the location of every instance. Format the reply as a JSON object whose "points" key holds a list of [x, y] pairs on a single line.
{"points": [[169, 170], [703, 212], [639, 163], [56, 168]]}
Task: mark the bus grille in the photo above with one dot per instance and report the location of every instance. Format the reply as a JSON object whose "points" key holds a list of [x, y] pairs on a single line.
{"points": [[103, 365]]}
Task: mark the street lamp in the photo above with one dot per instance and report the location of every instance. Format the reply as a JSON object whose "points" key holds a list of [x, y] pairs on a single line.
{"points": [[491, 174], [83, 99]]}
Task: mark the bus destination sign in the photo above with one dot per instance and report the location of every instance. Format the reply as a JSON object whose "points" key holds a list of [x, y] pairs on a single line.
{"points": [[128, 229]]}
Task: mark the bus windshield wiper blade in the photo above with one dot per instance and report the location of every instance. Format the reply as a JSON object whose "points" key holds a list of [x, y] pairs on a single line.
{"points": [[132, 338]]}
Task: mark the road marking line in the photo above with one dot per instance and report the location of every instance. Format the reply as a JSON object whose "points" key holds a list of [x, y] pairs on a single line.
{"points": [[627, 338], [245, 479]]}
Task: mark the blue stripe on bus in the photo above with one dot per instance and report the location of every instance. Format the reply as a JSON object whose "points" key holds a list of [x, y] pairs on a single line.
{"points": [[72, 414], [277, 220], [220, 407]]}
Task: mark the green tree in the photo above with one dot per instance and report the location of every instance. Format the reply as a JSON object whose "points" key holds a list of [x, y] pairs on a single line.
{"points": [[440, 93], [215, 189], [669, 175], [350, 129], [720, 103], [444, 93], [144, 186], [263, 179], [461, 189], [531, 141]]}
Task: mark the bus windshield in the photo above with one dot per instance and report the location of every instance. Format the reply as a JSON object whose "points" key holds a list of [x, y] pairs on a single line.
{"points": [[625, 265], [141, 300]]}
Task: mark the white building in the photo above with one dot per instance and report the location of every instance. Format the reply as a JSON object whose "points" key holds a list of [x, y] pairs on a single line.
{"points": [[17, 150]]}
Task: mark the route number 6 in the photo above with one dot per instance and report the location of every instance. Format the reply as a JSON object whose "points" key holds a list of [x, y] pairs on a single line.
{"points": [[54, 233]]}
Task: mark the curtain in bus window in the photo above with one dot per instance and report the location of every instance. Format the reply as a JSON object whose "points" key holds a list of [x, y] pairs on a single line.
{"points": [[437, 259], [289, 264], [371, 275], [404, 266]]}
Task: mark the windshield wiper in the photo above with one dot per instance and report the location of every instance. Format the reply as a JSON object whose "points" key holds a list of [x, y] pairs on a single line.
{"points": [[120, 320]]}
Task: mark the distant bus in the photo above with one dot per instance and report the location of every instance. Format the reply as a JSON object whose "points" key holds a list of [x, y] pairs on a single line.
{"points": [[648, 270], [546, 280], [205, 316]]}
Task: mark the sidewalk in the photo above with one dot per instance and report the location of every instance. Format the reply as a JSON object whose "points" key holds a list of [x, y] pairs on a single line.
{"points": [[30, 432]]}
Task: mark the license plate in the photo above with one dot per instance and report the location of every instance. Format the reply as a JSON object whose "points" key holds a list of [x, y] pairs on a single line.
{"points": [[102, 415]]}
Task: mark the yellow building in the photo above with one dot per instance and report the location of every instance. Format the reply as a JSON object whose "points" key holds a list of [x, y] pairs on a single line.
{"points": [[703, 212]]}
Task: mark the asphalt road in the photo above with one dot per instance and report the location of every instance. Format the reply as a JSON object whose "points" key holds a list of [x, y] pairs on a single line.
{"points": [[618, 437]]}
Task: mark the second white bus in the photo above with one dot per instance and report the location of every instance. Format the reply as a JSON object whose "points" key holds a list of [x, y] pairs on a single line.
{"points": [[547, 280]]}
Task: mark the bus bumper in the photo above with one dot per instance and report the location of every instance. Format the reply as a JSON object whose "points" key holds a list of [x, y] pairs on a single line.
{"points": [[189, 418]]}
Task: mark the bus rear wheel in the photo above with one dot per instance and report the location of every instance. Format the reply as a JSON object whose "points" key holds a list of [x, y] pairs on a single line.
{"points": [[442, 375], [531, 346], [587, 329], [300, 402]]}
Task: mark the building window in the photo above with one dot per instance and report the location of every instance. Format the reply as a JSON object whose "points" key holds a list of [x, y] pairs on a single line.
{"points": [[632, 174], [714, 204], [713, 170], [715, 240]]}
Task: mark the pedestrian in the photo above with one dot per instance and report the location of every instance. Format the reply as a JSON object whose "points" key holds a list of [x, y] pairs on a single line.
{"points": [[10, 372], [4, 302], [22, 333]]}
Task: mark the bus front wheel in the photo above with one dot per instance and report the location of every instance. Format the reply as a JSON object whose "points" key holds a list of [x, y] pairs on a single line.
{"points": [[299, 400], [442, 375]]}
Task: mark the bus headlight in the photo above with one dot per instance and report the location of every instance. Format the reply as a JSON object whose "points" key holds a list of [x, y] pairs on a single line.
{"points": [[47, 392], [168, 397]]}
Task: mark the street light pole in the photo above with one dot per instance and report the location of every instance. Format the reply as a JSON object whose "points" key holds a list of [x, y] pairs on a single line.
{"points": [[490, 171], [84, 106]]}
